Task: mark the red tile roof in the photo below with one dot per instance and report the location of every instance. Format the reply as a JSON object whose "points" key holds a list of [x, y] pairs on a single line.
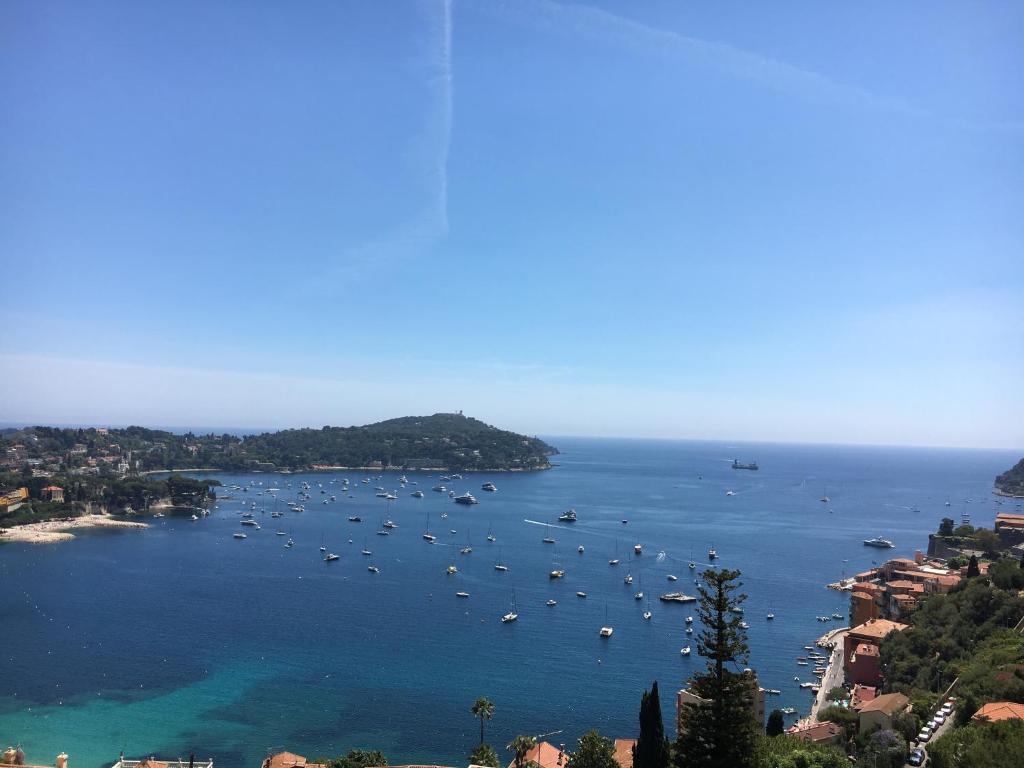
{"points": [[876, 629], [546, 755], [861, 695], [1000, 710], [624, 752], [826, 731]]}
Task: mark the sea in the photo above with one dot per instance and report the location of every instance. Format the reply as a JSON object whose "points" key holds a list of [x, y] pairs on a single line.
{"points": [[182, 639]]}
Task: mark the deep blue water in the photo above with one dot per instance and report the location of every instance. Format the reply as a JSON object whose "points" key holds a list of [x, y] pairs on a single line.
{"points": [[181, 637]]}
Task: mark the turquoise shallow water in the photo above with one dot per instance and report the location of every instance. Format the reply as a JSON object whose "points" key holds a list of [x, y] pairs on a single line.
{"points": [[181, 637]]}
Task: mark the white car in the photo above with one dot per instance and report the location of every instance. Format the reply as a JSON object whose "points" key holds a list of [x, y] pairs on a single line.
{"points": [[924, 735], [939, 719]]}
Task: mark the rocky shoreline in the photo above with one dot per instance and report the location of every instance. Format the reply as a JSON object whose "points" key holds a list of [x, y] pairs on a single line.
{"points": [[52, 531]]}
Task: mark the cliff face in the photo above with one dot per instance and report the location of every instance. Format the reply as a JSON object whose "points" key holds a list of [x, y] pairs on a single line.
{"points": [[1011, 482]]}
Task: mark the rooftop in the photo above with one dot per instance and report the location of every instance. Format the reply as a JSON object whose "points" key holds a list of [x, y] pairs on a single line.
{"points": [[624, 752], [817, 732], [889, 703], [861, 695], [866, 649], [546, 755], [1000, 710], [288, 760], [876, 629]]}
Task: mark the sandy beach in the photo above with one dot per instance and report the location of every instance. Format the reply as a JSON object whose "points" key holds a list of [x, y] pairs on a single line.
{"points": [[53, 531]]}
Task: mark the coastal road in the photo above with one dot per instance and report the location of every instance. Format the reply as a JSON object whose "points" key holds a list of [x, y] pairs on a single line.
{"points": [[834, 675]]}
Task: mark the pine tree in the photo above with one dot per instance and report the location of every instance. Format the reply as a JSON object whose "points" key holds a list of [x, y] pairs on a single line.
{"points": [[721, 732], [651, 748], [972, 567]]}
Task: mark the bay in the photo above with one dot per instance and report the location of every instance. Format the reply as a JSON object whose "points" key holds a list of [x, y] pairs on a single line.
{"points": [[182, 638]]}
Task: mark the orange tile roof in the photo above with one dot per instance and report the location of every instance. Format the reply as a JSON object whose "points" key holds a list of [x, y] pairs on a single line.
{"points": [[866, 649], [624, 752], [861, 695], [900, 584], [288, 760], [546, 755], [877, 628], [817, 732], [1000, 710], [889, 703]]}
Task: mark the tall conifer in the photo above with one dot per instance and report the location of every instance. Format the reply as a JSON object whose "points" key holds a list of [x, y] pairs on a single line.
{"points": [[651, 748], [721, 732]]}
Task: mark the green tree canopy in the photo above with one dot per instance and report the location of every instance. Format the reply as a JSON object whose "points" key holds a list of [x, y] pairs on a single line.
{"points": [[776, 723], [884, 749], [789, 752], [484, 754], [356, 758], [593, 751], [989, 745]]}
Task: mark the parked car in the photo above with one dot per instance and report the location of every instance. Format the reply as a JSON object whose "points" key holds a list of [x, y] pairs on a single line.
{"points": [[939, 719], [924, 735], [916, 757]]}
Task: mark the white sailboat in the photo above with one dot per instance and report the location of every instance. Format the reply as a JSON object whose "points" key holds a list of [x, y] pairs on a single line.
{"points": [[498, 565], [512, 615], [607, 629]]}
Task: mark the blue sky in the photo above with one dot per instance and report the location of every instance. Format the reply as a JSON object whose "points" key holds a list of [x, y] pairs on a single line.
{"points": [[641, 219]]}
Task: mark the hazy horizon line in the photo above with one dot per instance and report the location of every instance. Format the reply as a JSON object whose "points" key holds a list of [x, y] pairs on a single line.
{"points": [[238, 431]]}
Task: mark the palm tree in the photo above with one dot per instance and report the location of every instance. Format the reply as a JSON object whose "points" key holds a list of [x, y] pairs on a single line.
{"points": [[520, 745], [484, 709]]}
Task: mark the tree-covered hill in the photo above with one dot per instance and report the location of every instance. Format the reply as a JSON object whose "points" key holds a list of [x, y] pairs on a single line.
{"points": [[445, 440], [1011, 482], [448, 440]]}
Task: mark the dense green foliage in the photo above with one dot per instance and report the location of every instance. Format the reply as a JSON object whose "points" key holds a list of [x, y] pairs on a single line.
{"points": [[907, 725], [841, 716], [357, 758], [994, 673], [444, 440], [946, 630], [882, 749], [989, 745], [1012, 480], [789, 752], [776, 723], [593, 751], [484, 754], [114, 494], [837, 694], [720, 733], [652, 748]]}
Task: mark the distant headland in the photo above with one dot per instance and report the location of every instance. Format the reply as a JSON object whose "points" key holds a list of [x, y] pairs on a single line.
{"points": [[1011, 482], [444, 441]]}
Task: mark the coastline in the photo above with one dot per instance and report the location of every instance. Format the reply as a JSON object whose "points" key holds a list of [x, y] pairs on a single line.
{"points": [[52, 531], [342, 469]]}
